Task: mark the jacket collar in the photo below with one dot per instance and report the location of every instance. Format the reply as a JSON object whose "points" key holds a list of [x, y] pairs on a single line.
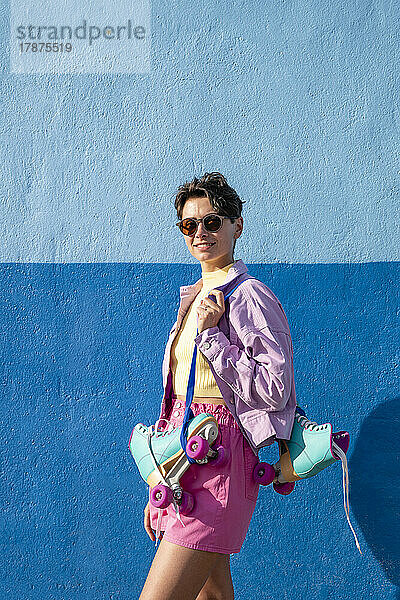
{"points": [[238, 268]]}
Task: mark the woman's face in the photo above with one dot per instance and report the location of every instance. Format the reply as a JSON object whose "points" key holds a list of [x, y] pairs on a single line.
{"points": [[220, 252]]}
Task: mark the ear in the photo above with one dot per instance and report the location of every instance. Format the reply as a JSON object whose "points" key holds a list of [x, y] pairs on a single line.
{"points": [[239, 228]]}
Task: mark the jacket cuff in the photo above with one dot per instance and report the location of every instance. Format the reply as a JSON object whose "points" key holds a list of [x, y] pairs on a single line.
{"points": [[211, 341]]}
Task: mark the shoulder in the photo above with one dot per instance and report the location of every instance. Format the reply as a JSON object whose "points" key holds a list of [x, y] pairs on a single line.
{"points": [[256, 289], [257, 292], [261, 306]]}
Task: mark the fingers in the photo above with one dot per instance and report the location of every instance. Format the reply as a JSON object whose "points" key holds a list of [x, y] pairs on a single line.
{"points": [[147, 525], [208, 312], [219, 296]]}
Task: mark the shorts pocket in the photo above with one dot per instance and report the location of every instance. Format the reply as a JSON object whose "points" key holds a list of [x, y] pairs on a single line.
{"points": [[250, 461]]}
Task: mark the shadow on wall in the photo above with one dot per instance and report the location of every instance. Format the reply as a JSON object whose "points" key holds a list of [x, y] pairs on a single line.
{"points": [[374, 491]]}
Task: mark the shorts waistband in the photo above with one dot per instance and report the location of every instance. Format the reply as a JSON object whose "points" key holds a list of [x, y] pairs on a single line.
{"points": [[220, 411]]}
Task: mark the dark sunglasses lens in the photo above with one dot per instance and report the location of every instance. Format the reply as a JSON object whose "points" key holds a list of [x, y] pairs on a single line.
{"points": [[212, 223], [188, 227]]}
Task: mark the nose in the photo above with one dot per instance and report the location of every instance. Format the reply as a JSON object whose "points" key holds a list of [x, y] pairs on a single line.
{"points": [[201, 230]]}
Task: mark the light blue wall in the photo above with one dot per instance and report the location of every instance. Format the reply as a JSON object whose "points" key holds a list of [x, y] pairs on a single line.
{"points": [[297, 104]]}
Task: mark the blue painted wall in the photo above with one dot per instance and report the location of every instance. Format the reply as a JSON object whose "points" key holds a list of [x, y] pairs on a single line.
{"points": [[297, 104], [81, 365]]}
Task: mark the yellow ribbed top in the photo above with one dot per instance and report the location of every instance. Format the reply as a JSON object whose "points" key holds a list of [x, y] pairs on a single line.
{"points": [[183, 345]]}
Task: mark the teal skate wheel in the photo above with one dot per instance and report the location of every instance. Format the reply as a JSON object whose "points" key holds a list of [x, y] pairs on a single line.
{"points": [[263, 473], [161, 496], [197, 447]]}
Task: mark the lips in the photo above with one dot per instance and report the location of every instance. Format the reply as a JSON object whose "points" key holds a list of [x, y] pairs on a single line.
{"points": [[205, 246]]}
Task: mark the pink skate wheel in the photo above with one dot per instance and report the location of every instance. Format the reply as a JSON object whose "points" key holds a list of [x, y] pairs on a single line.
{"points": [[284, 488], [187, 503], [222, 458], [197, 447], [263, 473], [161, 496]]}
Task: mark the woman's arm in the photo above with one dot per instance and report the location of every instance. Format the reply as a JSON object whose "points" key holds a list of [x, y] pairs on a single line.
{"points": [[261, 374]]}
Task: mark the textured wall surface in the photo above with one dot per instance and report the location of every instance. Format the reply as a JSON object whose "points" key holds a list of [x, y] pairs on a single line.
{"points": [[297, 104], [81, 361]]}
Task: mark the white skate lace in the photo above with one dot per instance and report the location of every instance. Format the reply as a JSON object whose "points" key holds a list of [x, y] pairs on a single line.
{"points": [[342, 455], [306, 423], [151, 431], [312, 425], [154, 430], [178, 515], [161, 432], [158, 528]]}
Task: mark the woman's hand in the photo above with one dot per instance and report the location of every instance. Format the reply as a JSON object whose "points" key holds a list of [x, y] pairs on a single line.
{"points": [[147, 525], [209, 312]]}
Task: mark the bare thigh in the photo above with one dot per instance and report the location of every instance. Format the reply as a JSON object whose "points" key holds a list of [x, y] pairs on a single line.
{"points": [[219, 583], [178, 573]]}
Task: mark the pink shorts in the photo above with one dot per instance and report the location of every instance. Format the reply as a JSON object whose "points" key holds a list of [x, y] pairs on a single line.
{"points": [[225, 497]]}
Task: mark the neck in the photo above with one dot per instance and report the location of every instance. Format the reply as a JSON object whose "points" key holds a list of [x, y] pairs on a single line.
{"points": [[207, 267]]}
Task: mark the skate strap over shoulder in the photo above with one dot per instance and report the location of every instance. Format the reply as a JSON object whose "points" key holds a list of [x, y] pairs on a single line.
{"points": [[190, 391], [183, 437]]}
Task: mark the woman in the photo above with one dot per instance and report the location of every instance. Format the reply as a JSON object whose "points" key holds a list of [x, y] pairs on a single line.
{"points": [[244, 377]]}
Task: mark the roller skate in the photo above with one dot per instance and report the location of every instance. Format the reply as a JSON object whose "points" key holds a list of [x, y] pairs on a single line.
{"points": [[311, 449], [162, 461]]}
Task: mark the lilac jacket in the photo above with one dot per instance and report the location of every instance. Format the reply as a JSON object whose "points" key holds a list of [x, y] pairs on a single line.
{"points": [[250, 354]]}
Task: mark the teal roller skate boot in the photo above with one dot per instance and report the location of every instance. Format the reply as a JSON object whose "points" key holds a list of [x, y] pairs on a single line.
{"points": [[311, 449], [162, 461]]}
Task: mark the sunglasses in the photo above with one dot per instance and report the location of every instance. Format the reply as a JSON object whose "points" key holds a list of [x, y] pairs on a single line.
{"points": [[211, 222]]}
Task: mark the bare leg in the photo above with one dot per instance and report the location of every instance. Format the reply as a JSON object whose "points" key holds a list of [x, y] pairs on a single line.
{"points": [[178, 573], [219, 583]]}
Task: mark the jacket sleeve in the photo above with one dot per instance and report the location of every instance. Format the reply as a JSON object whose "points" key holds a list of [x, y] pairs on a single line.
{"points": [[261, 374]]}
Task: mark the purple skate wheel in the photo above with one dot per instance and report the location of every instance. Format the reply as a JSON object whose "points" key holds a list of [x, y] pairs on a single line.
{"points": [[197, 447], [284, 488], [342, 439], [222, 458], [161, 496], [187, 503], [263, 473]]}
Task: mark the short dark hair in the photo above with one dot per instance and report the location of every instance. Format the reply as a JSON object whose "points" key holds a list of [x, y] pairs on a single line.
{"points": [[222, 197]]}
